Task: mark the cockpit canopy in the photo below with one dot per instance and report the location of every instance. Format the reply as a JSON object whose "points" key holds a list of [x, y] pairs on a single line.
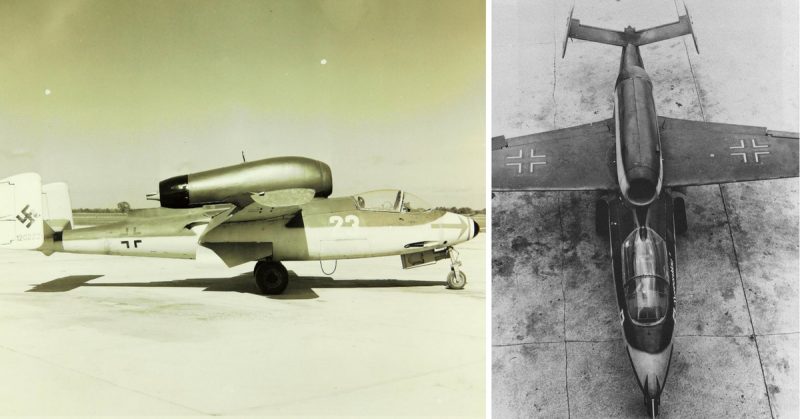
{"points": [[645, 270], [390, 200]]}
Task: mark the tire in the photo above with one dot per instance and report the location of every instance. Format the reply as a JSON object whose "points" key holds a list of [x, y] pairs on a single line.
{"points": [[456, 280], [601, 218], [679, 211], [271, 277]]}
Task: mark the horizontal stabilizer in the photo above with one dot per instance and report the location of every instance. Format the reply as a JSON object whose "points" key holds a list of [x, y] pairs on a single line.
{"points": [[630, 36], [671, 30], [21, 225]]}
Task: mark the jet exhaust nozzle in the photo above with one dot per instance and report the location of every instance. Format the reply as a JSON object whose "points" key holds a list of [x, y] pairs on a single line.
{"points": [[642, 185], [642, 190]]}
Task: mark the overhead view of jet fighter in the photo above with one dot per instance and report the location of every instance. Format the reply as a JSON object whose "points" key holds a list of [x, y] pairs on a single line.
{"points": [[268, 211], [641, 162]]}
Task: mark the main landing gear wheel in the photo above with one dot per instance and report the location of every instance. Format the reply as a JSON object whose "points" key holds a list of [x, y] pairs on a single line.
{"points": [[271, 277], [679, 208], [456, 279]]}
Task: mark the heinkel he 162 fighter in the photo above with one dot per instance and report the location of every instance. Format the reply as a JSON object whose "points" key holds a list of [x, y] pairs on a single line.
{"points": [[641, 161], [268, 211]]}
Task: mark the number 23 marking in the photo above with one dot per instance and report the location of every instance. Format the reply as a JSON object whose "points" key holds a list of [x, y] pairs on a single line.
{"points": [[338, 221]]}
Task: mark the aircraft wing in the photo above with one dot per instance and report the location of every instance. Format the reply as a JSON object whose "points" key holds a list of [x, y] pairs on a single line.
{"points": [[264, 206], [224, 234], [576, 158], [700, 153]]}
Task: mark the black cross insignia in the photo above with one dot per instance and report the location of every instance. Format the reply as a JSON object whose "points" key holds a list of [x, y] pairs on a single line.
{"points": [[755, 147], [525, 162]]}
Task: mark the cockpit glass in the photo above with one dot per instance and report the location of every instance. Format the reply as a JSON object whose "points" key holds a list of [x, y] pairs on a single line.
{"points": [[647, 291], [413, 203], [383, 200], [647, 299], [390, 200]]}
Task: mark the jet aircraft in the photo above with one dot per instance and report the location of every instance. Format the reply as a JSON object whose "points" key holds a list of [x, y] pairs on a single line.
{"points": [[268, 211], [641, 162]]}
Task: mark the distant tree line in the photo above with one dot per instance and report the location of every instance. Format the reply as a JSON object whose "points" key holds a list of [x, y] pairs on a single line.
{"points": [[122, 207]]}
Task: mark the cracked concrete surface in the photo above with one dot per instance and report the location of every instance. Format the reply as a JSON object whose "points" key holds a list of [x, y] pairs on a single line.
{"points": [[557, 348]]}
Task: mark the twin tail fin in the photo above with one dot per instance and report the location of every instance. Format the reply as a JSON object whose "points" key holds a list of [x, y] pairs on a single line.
{"points": [[31, 213]]}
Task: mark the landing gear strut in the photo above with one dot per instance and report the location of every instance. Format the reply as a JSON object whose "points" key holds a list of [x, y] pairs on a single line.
{"points": [[271, 277], [652, 405], [456, 279]]}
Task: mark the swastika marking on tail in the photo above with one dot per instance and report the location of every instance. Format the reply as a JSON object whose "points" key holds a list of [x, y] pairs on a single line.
{"points": [[26, 217]]}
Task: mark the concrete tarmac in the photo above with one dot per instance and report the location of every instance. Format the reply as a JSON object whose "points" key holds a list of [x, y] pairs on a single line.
{"points": [[557, 344], [101, 335]]}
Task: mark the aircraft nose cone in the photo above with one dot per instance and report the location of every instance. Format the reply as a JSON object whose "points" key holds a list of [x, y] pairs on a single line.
{"points": [[651, 369], [475, 229], [652, 385]]}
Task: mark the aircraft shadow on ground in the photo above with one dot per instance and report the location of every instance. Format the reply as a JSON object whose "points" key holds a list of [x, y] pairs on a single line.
{"points": [[300, 287]]}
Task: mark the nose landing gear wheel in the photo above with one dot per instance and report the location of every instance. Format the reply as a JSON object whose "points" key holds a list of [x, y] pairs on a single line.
{"points": [[456, 279], [271, 277]]}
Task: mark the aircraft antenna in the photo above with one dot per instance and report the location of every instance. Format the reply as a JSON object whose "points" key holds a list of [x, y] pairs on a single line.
{"points": [[335, 265], [244, 160]]}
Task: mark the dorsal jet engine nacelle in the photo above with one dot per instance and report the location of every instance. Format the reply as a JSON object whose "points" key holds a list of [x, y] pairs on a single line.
{"points": [[639, 170], [228, 184]]}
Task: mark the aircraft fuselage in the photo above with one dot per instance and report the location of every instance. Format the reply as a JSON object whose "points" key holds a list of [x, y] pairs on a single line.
{"points": [[324, 229], [642, 231]]}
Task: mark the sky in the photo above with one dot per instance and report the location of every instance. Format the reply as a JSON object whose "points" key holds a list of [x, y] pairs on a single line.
{"points": [[112, 97]]}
